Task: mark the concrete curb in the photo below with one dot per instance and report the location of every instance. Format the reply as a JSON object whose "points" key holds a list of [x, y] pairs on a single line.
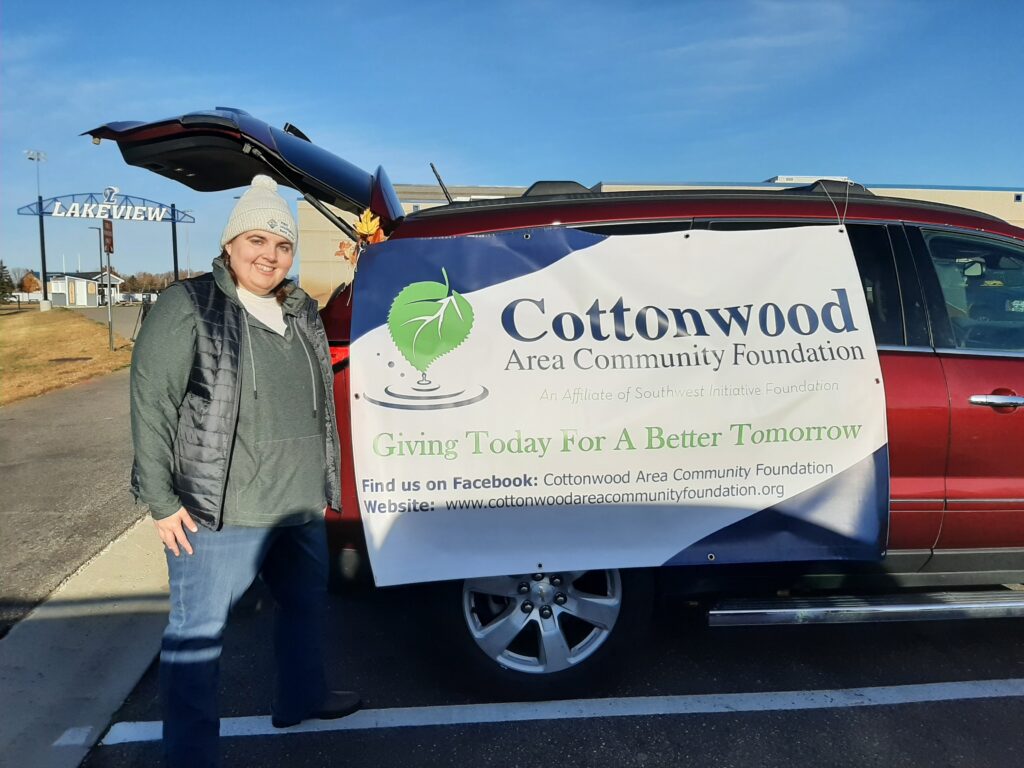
{"points": [[67, 667]]}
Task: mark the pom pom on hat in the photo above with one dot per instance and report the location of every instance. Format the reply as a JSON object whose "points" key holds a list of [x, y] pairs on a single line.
{"points": [[261, 207]]}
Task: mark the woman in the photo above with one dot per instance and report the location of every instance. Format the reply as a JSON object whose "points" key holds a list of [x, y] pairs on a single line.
{"points": [[237, 456]]}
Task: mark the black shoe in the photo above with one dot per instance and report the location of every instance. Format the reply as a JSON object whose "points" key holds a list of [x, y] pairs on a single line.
{"points": [[337, 704]]}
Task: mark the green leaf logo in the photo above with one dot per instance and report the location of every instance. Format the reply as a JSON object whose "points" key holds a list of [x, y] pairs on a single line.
{"points": [[428, 320]]}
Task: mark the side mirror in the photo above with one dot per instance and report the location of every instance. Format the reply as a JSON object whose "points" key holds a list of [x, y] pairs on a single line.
{"points": [[974, 269]]}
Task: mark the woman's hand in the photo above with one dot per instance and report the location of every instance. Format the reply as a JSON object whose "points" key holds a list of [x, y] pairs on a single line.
{"points": [[172, 531]]}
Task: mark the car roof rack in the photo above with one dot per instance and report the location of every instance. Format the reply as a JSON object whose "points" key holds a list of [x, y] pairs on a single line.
{"points": [[831, 187], [555, 188]]}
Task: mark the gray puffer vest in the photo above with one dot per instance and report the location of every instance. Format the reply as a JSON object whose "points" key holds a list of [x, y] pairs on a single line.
{"points": [[209, 413]]}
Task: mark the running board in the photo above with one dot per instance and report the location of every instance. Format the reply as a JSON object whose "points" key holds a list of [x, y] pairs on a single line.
{"points": [[999, 604]]}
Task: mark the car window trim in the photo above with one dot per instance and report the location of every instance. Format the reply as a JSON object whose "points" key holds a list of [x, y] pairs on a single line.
{"points": [[984, 234], [1002, 353], [917, 332], [816, 222], [685, 225], [910, 350]]}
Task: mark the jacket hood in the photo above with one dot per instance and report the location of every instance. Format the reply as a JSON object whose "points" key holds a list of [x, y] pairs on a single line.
{"points": [[295, 299]]}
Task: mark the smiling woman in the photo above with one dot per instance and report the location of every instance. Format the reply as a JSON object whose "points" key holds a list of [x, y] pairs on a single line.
{"points": [[236, 455]]}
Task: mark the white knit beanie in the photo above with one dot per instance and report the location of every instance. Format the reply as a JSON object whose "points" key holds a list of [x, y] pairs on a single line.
{"points": [[260, 207]]}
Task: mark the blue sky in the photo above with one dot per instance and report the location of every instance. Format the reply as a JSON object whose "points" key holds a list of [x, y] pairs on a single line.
{"points": [[894, 91]]}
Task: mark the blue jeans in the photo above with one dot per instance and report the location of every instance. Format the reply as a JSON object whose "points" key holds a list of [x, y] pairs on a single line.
{"points": [[292, 560]]}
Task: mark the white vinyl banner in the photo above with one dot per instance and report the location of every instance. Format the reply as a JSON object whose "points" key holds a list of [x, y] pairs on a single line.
{"points": [[631, 401]]}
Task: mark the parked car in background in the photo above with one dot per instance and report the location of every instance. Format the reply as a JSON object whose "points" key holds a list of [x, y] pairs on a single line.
{"points": [[945, 290]]}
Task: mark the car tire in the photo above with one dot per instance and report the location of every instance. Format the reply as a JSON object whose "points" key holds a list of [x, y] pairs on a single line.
{"points": [[542, 636]]}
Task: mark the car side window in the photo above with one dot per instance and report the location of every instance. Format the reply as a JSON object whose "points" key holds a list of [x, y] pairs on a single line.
{"points": [[873, 254], [982, 284]]}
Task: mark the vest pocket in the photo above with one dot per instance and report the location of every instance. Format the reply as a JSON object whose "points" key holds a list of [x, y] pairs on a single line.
{"points": [[288, 482]]}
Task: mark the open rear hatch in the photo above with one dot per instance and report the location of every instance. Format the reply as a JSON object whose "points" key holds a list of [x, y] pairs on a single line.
{"points": [[224, 148]]}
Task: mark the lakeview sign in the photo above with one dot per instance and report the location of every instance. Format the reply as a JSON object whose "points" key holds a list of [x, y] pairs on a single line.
{"points": [[111, 209], [555, 400], [109, 204]]}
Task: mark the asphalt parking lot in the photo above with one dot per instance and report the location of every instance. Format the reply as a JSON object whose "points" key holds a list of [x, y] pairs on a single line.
{"points": [[921, 694]]}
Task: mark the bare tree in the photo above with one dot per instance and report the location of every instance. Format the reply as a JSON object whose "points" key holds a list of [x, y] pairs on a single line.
{"points": [[18, 274]]}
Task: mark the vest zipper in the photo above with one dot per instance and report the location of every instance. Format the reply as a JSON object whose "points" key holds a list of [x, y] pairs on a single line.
{"points": [[330, 425], [234, 430]]}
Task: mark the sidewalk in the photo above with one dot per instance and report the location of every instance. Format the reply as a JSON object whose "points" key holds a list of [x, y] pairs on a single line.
{"points": [[126, 319], [68, 666]]}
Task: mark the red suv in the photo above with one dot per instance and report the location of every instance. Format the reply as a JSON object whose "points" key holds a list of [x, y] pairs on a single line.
{"points": [[944, 292]]}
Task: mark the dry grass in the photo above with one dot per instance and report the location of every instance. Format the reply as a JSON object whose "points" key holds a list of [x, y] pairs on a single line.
{"points": [[42, 351]]}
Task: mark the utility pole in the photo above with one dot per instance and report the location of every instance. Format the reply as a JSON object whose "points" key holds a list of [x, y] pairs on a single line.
{"points": [[108, 247], [40, 157], [174, 238]]}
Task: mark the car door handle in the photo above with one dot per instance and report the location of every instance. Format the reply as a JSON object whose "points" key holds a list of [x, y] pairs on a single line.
{"points": [[998, 401]]}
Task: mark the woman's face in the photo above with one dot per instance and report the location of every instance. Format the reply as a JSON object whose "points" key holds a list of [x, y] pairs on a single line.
{"points": [[260, 260]]}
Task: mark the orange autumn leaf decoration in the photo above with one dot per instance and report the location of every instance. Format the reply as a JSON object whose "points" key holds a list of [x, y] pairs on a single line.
{"points": [[369, 232], [368, 228], [347, 251]]}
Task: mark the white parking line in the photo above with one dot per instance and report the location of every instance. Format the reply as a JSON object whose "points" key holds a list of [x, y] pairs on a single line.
{"points": [[74, 737], [470, 714]]}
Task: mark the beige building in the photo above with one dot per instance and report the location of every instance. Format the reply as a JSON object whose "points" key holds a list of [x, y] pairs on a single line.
{"points": [[320, 271]]}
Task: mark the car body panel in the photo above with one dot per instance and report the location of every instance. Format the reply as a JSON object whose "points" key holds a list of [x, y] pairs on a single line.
{"points": [[986, 479], [917, 413]]}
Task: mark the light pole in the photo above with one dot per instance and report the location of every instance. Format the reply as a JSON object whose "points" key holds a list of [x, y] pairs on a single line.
{"points": [[188, 249], [174, 238], [40, 157], [99, 234]]}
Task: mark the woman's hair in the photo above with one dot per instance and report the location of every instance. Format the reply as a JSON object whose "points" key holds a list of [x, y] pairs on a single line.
{"points": [[282, 290]]}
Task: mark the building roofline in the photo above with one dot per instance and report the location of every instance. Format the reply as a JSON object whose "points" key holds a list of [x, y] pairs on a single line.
{"points": [[783, 184]]}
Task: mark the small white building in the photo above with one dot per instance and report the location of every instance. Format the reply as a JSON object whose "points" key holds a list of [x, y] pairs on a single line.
{"points": [[82, 289]]}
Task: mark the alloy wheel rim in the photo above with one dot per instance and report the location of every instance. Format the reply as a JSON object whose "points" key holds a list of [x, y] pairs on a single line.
{"points": [[542, 623]]}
